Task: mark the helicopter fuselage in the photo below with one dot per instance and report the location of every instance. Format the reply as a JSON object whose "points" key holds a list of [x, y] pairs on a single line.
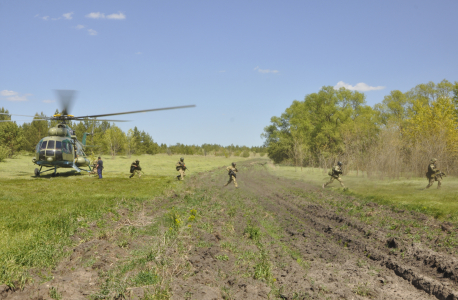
{"points": [[60, 149]]}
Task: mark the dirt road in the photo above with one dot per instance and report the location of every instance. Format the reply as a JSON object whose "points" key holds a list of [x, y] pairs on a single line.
{"points": [[272, 238]]}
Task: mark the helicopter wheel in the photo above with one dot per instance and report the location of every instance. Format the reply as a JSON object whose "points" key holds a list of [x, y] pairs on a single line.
{"points": [[37, 173]]}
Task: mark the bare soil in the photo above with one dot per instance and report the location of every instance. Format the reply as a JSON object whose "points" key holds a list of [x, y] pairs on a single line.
{"points": [[272, 238]]}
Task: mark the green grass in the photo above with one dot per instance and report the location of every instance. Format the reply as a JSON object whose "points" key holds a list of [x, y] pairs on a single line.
{"points": [[39, 215], [403, 193]]}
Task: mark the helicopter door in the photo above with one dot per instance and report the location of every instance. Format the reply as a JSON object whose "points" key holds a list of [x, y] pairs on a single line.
{"points": [[67, 151], [58, 150], [42, 150]]}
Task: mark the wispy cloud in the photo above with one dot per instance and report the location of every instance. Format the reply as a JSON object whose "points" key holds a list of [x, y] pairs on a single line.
{"points": [[79, 27], [96, 15], [14, 96], [46, 18], [49, 101], [118, 16], [138, 53], [99, 15], [358, 87], [8, 93], [68, 16], [265, 70], [92, 32]]}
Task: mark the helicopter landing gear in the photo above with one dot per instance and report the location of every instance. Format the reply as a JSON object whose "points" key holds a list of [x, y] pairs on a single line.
{"points": [[37, 173]]}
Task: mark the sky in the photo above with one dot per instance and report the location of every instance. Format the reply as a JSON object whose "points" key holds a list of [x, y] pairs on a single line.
{"points": [[239, 62]]}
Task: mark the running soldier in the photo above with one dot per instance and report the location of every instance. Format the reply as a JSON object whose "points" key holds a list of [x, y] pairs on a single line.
{"points": [[335, 174], [434, 174], [181, 167], [135, 169], [232, 172]]}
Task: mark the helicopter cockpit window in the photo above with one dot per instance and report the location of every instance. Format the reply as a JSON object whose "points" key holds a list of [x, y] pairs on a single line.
{"points": [[50, 144], [43, 144], [58, 150], [66, 147]]}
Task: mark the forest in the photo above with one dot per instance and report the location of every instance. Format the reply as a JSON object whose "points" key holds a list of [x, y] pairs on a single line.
{"points": [[397, 137], [107, 138]]}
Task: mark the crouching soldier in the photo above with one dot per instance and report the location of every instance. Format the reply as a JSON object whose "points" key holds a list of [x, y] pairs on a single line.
{"points": [[181, 167], [335, 174], [135, 169], [434, 174], [232, 172]]}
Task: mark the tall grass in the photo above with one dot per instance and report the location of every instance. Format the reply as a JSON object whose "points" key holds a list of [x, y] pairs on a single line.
{"points": [[408, 193], [39, 215]]}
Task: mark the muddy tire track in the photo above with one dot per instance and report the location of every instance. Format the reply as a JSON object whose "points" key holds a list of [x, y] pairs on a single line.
{"points": [[428, 271]]}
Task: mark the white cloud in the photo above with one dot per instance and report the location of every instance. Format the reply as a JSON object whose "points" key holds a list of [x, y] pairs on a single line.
{"points": [[68, 16], [79, 26], [92, 32], [14, 96], [265, 70], [119, 16], [96, 15], [8, 93], [138, 53], [99, 15], [48, 101], [45, 18], [358, 87]]}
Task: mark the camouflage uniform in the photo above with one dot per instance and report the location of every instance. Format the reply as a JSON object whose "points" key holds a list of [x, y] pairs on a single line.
{"points": [[232, 171], [433, 174], [335, 174], [135, 169], [180, 166]]}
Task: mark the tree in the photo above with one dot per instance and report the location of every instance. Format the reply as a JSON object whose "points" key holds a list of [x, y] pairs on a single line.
{"points": [[115, 139]]}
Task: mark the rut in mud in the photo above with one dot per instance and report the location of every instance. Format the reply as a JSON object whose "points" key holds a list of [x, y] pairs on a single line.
{"points": [[272, 238]]}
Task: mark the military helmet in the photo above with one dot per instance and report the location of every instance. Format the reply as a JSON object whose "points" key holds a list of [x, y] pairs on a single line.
{"points": [[339, 163], [137, 161], [434, 160], [233, 164], [181, 158]]}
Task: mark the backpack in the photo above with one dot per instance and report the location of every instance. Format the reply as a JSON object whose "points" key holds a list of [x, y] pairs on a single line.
{"points": [[132, 168]]}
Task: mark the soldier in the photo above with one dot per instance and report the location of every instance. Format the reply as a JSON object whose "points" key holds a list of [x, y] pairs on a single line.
{"points": [[94, 167], [335, 174], [135, 169], [232, 170], [99, 167], [180, 166], [434, 174]]}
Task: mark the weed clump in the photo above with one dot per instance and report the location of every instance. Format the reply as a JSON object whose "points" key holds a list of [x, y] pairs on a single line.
{"points": [[252, 232]]}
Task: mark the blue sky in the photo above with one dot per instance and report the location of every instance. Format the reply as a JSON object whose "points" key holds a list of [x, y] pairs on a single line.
{"points": [[240, 62]]}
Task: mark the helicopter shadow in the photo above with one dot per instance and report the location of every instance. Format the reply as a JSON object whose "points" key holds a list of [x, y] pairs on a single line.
{"points": [[64, 175]]}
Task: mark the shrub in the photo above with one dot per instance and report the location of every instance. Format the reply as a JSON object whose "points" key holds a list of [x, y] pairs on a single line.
{"points": [[245, 154], [4, 153]]}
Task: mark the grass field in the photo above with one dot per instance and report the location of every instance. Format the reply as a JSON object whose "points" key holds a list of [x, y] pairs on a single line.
{"points": [[405, 193], [40, 214]]}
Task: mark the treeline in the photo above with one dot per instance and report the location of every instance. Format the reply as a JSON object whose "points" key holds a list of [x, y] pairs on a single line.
{"points": [[105, 138], [396, 137]]}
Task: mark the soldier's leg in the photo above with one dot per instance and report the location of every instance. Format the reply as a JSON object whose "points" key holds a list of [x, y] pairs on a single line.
{"points": [[235, 181], [132, 175], [341, 182], [329, 182], [229, 181], [439, 183], [181, 174], [431, 181]]}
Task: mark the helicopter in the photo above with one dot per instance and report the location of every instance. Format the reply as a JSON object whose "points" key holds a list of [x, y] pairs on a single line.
{"points": [[61, 148]]}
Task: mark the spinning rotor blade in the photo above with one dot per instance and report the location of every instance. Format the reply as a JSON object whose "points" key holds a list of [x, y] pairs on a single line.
{"points": [[78, 119], [23, 120], [136, 111], [66, 99], [22, 115]]}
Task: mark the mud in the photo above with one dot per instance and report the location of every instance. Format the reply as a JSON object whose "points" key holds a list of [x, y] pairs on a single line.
{"points": [[318, 244]]}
